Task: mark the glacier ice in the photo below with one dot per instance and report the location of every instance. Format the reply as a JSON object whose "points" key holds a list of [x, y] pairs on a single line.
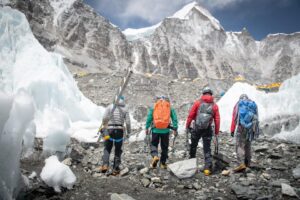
{"points": [[284, 102], [38, 98], [56, 174], [27, 65], [28, 139], [17, 116]]}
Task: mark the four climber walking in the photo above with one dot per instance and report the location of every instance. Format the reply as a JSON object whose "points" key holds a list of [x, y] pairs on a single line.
{"points": [[203, 121]]}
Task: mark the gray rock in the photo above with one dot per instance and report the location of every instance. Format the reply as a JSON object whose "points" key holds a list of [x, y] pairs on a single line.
{"points": [[67, 161], [269, 197], [144, 170], [242, 191], [116, 196], [296, 172], [124, 171], [196, 186], [288, 190], [263, 148], [146, 182], [277, 183], [156, 180], [184, 169], [275, 156]]}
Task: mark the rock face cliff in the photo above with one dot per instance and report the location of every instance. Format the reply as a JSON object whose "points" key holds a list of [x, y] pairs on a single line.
{"points": [[73, 29]]}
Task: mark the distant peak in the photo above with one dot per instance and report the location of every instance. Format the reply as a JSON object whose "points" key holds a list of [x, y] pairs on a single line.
{"points": [[185, 12]]}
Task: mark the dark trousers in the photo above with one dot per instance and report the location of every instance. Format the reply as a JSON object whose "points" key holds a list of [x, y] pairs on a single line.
{"points": [[108, 145], [206, 135], [164, 144]]}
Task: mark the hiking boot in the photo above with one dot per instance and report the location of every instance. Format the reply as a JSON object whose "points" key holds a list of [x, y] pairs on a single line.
{"points": [[240, 168], [103, 168], [247, 163], [207, 172], [154, 162], [163, 166], [115, 172]]}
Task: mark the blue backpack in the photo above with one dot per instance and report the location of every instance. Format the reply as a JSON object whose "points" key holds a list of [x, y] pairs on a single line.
{"points": [[247, 113]]}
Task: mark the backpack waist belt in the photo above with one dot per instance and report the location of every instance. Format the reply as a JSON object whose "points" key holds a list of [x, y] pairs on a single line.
{"points": [[115, 126]]}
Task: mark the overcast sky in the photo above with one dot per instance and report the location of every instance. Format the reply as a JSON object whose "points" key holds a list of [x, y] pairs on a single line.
{"points": [[260, 17]]}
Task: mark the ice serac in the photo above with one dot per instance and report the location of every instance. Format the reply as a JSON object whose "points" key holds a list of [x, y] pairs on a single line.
{"points": [[270, 105], [87, 40], [17, 113], [26, 65]]}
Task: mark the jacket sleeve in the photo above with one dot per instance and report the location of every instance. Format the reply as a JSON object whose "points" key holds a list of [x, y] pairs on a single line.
{"points": [[149, 118], [174, 118], [192, 114], [106, 115], [216, 119], [234, 118], [127, 121]]}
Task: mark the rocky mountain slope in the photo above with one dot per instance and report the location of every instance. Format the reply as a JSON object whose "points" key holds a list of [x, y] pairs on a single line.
{"points": [[189, 44], [87, 40], [192, 43]]}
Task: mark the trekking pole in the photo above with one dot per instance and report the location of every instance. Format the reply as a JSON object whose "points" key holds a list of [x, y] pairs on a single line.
{"points": [[216, 145], [174, 139], [187, 143]]}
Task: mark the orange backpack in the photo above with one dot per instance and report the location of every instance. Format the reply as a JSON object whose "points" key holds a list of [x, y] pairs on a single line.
{"points": [[162, 114]]}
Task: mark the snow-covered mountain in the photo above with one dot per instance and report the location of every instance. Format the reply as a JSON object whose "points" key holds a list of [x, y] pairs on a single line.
{"points": [[189, 44], [87, 40], [192, 43]]}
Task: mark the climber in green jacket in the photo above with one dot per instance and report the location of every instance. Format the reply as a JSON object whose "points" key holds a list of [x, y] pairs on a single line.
{"points": [[159, 122]]}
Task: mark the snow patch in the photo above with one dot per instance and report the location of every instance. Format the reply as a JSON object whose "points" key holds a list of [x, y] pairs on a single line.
{"points": [[56, 174], [134, 34], [59, 7], [184, 13]]}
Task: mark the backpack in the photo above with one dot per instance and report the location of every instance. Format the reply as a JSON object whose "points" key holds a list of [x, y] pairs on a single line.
{"points": [[162, 114], [204, 115], [247, 113]]}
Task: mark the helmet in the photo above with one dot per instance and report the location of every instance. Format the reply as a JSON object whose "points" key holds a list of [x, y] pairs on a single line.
{"points": [[163, 98], [207, 90], [244, 97], [122, 98]]}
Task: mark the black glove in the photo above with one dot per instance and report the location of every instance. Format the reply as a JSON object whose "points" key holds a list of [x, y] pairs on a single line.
{"points": [[232, 134]]}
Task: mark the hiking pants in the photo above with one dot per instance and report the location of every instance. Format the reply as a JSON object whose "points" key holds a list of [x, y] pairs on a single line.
{"points": [[108, 145], [164, 144], [206, 135], [243, 147]]}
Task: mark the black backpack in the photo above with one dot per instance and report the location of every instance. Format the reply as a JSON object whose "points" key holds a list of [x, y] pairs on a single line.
{"points": [[204, 115]]}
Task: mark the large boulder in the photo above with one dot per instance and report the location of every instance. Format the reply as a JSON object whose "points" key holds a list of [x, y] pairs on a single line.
{"points": [[184, 169]]}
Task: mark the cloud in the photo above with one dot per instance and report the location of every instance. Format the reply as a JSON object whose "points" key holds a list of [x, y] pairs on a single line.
{"points": [[151, 11], [125, 12], [219, 4]]}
